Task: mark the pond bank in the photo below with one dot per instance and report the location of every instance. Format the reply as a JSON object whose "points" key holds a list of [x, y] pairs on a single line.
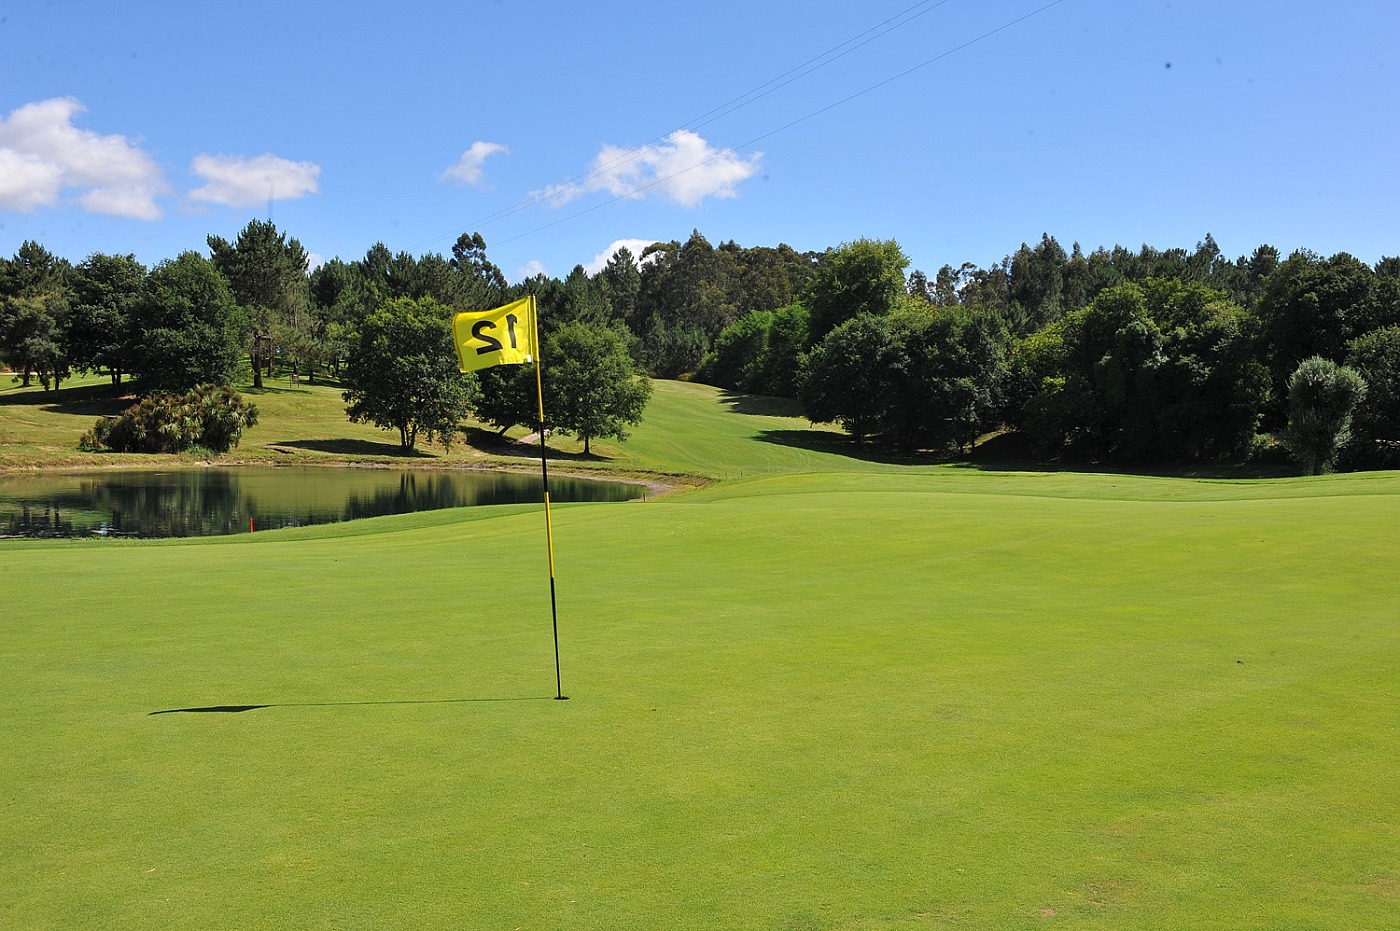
{"points": [[222, 499]]}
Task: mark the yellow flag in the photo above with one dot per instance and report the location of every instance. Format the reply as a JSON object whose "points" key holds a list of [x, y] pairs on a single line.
{"points": [[504, 336]]}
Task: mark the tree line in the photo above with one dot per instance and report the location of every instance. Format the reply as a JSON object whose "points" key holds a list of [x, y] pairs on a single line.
{"points": [[381, 325], [1136, 357], [1140, 357]]}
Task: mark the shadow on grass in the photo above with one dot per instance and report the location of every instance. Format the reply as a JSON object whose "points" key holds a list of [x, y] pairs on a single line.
{"points": [[497, 445], [1010, 452], [760, 404], [90, 400], [825, 441], [1010, 455], [353, 448], [252, 392], [238, 709], [1240, 470]]}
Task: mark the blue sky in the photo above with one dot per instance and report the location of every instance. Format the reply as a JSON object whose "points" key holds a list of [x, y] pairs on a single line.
{"points": [[959, 128]]}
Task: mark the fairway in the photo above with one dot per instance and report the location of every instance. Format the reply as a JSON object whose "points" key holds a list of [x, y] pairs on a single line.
{"points": [[823, 694]]}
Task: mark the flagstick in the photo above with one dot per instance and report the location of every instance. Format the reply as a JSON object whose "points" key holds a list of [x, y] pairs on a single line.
{"points": [[548, 523]]}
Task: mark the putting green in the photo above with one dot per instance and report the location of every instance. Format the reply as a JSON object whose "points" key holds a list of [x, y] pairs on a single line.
{"points": [[795, 703], [862, 698]]}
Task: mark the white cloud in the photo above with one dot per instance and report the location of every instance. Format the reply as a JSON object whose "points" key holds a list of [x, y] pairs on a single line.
{"points": [[314, 260], [684, 169], [27, 182], [42, 153], [530, 269], [634, 246], [468, 167], [235, 181]]}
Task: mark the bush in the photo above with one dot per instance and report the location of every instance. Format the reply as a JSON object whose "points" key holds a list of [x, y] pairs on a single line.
{"points": [[1321, 398], [209, 417]]}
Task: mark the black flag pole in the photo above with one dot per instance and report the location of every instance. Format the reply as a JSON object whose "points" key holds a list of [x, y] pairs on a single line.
{"points": [[548, 522]]}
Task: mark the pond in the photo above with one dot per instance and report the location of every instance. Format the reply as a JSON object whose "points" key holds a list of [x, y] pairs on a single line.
{"points": [[215, 501]]}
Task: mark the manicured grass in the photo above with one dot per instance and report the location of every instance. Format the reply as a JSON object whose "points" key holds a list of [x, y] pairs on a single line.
{"points": [[826, 693], [296, 423], [689, 430]]}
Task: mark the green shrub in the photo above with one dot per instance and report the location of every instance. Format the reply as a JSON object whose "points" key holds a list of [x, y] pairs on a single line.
{"points": [[1321, 398], [209, 417]]}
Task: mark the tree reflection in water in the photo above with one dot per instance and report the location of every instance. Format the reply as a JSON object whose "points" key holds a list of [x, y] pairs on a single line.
{"points": [[211, 502]]}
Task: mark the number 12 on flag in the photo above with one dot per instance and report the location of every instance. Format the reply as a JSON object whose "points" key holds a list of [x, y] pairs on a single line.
{"points": [[503, 336]]}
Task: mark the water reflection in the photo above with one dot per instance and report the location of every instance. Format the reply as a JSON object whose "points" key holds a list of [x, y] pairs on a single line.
{"points": [[210, 502]]}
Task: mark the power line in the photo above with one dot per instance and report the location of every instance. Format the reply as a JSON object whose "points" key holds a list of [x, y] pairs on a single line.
{"points": [[893, 23], [786, 126], [750, 96]]}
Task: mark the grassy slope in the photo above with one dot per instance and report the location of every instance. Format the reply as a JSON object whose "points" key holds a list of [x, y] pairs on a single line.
{"points": [[688, 430], [834, 695], [43, 429]]}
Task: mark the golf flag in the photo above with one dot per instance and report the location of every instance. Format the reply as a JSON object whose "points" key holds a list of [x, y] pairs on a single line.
{"points": [[508, 336], [504, 336]]}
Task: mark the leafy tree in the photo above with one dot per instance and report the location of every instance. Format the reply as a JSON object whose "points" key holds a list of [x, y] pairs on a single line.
{"points": [[1119, 351], [947, 367], [1103, 274], [106, 289], [403, 275], [1321, 398], [32, 337], [1051, 406], [435, 277], [735, 359], [621, 281], [1158, 371], [944, 291], [508, 397], [1037, 282], [861, 277], [187, 325], [340, 300], [846, 376], [580, 300], [1076, 280], [1383, 309], [768, 278], [990, 288], [591, 387], [1213, 386], [1103, 399], [688, 286], [688, 293], [760, 353], [330, 280], [480, 284], [34, 313], [918, 286], [374, 272], [776, 372], [1310, 307], [671, 351], [402, 374], [1257, 268], [267, 273], [1375, 426], [32, 270]]}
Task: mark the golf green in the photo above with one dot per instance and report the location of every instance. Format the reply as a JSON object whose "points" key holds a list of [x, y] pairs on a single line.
{"points": [[857, 699]]}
